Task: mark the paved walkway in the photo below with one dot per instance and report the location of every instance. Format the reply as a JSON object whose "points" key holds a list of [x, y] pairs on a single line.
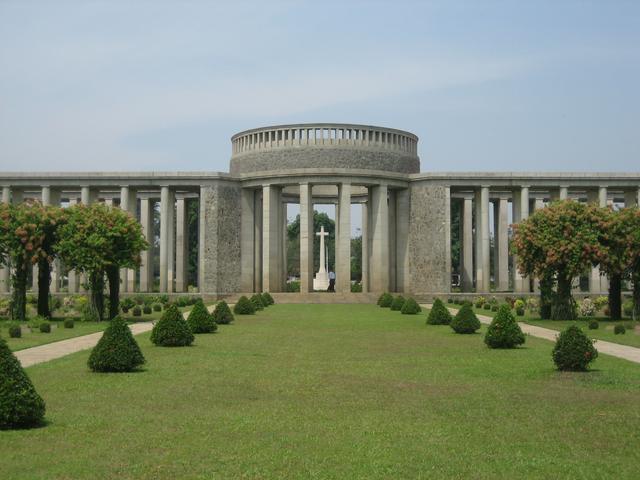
{"points": [[614, 349]]}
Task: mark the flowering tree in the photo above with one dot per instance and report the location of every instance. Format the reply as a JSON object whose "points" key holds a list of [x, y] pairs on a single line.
{"points": [[100, 240], [559, 242]]}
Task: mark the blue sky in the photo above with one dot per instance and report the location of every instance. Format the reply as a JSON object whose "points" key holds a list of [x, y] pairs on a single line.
{"points": [[118, 85]]}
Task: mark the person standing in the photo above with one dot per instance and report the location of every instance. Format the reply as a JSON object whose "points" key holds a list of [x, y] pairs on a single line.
{"points": [[332, 281]]}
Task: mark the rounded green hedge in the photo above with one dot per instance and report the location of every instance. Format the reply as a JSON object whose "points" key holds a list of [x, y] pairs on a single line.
{"points": [[244, 306], [439, 315], [45, 327], [222, 313], [397, 303], [465, 321], [504, 331], [619, 329], [117, 350], [69, 323], [172, 330], [137, 311], [256, 299], [200, 320], [20, 404], [593, 325], [410, 307], [267, 299], [574, 351], [385, 300], [15, 331]]}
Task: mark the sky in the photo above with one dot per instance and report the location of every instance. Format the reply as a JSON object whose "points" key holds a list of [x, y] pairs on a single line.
{"points": [[159, 85]]}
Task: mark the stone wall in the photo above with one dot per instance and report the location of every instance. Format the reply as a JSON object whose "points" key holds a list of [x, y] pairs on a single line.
{"points": [[219, 238], [429, 245]]}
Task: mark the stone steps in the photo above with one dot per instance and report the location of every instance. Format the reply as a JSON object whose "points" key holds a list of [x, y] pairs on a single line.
{"points": [[315, 297]]}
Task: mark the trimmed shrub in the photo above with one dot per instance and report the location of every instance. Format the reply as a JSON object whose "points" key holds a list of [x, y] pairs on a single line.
{"points": [[147, 309], [627, 308], [397, 303], [157, 307], [20, 404], [410, 307], [449, 300], [385, 300], [244, 306], [593, 325], [15, 331], [172, 330], [69, 323], [504, 331], [256, 299], [520, 312], [267, 299], [494, 308], [465, 320], [45, 327], [574, 351], [439, 315], [200, 320], [479, 302], [222, 313], [117, 350], [619, 329], [137, 311], [127, 304]]}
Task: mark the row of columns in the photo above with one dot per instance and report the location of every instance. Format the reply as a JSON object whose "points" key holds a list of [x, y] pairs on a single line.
{"points": [[479, 246]]}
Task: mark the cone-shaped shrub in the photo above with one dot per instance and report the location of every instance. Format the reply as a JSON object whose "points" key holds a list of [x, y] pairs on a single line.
{"points": [[465, 320], [574, 351], [172, 329], [439, 315], [385, 300], [20, 404], [256, 299], [244, 306], [222, 313], [410, 307], [200, 320], [267, 299], [504, 331], [397, 303], [117, 350]]}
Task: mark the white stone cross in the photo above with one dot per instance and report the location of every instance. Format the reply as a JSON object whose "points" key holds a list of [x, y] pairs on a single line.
{"points": [[322, 234]]}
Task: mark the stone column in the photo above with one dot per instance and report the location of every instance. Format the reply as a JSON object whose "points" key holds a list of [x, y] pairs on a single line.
{"points": [[521, 212], [128, 203], [51, 197], [87, 196], [283, 245], [247, 232], [343, 240], [564, 192], [597, 283], [365, 247], [402, 240], [167, 205], [257, 237], [306, 238], [181, 244], [379, 265], [502, 244], [466, 256], [392, 241], [631, 198], [483, 272], [271, 211], [5, 276], [146, 265]]}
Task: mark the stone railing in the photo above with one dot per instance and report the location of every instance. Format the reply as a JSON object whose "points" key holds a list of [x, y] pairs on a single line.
{"points": [[325, 135]]}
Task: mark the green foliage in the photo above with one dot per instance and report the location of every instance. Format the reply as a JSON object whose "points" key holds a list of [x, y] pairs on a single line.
{"points": [[439, 314], [385, 300], [222, 313], [487, 306], [147, 309], [479, 302], [292, 286], [593, 325], [410, 307], [172, 330], [137, 311], [494, 308], [619, 329], [520, 311], [449, 300], [200, 320], [69, 323], [267, 299], [256, 299], [157, 307], [45, 327], [357, 286], [20, 404], [127, 303], [117, 350], [627, 308], [574, 351], [465, 320], [397, 303], [244, 306], [15, 331], [504, 331]]}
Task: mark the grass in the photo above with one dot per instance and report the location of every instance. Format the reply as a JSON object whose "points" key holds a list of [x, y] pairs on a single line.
{"points": [[58, 332], [332, 392]]}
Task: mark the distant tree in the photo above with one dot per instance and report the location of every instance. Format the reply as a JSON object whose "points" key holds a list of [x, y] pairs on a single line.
{"points": [[293, 246], [356, 258]]}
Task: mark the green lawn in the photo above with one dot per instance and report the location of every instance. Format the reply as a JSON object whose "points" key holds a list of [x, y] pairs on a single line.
{"points": [[332, 391], [58, 332]]}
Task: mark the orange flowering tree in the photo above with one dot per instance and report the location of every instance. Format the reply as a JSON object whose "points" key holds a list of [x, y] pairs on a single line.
{"points": [[560, 242]]}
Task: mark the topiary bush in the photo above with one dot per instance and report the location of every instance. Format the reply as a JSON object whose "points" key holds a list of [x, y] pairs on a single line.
{"points": [[256, 299], [385, 300], [137, 311], [397, 303], [494, 308], [45, 327], [200, 320], [69, 323], [172, 330], [157, 307], [627, 308], [439, 315], [619, 329], [479, 302], [520, 312], [15, 331], [410, 307], [574, 351], [147, 309], [504, 331], [487, 306], [222, 313], [267, 299], [465, 320], [449, 300], [117, 350], [20, 404], [244, 306], [593, 325]]}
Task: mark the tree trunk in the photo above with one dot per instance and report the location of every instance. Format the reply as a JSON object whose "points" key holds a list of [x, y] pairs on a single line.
{"points": [[96, 285], [44, 280], [564, 307], [546, 296], [19, 296], [615, 296], [113, 275]]}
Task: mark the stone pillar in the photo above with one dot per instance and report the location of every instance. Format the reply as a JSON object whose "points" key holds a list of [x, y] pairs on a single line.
{"points": [[247, 232], [283, 245], [502, 244], [181, 244], [128, 203], [520, 212], [167, 205], [271, 211], [392, 241], [146, 264], [365, 247], [466, 244], [402, 240], [631, 198], [343, 240], [257, 236], [87, 196], [379, 265], [51, 197], [564, 192], [597, 283], [306, 238], [483, 272], [5, 276]]}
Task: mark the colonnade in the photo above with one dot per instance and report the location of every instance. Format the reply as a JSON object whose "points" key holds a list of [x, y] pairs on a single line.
{"points": [[475, 233]]}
